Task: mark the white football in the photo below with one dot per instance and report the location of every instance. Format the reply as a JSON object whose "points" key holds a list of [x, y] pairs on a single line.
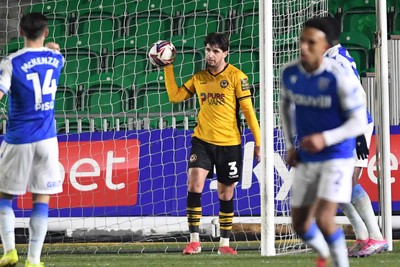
{"points": [[162, 53]]}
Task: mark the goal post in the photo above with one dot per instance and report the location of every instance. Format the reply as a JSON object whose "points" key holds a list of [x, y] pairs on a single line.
{"points": [[382, 124], [267, 128]]}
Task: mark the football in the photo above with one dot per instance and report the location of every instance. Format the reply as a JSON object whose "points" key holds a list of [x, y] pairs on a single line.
{"points": [[162, 53]]}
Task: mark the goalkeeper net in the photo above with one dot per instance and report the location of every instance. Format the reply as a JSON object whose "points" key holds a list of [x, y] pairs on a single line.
{"points": [[123, 146]]}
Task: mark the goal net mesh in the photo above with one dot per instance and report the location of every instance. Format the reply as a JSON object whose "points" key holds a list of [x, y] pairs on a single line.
{"points": [[123, 146]]}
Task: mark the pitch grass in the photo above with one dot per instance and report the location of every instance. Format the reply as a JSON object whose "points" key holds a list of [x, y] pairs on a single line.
{"points": [[77, 255]]}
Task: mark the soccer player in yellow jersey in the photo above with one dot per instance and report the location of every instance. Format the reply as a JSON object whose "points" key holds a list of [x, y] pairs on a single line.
{"points": [[221, 90]]}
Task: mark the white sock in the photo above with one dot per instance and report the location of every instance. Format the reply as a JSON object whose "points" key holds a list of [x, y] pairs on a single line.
{"points": [[223, 242], [7, 225], [194, 237], [360, 230], [338, 248], [362, 203], [314, 238], [37, 231]]}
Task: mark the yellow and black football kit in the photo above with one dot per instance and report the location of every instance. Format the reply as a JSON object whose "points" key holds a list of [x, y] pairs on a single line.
{"points": [[216, 140], [220, 96]]}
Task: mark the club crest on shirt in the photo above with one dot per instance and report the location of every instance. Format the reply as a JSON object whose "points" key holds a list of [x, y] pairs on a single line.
{"points": [[323, 84], [193, 158], [245, 84], [293, 79], [224, 83]]}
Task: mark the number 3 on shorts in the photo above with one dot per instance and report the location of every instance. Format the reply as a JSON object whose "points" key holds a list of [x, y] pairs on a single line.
{"points": [[232, 169]]}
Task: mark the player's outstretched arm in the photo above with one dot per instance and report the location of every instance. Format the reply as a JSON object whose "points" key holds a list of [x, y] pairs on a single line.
{"points": [[175, 94]]}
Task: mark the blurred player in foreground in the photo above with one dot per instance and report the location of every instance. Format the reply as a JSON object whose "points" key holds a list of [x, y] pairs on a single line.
{"points": [[221, 90], [322, 106], [369, 239], [29, 151]]}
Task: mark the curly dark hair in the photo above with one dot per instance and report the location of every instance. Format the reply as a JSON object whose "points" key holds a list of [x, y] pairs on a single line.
{"points": [[220, 40]]}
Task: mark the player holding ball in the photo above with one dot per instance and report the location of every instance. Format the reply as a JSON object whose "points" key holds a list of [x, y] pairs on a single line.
{"points": [[221, 89]]}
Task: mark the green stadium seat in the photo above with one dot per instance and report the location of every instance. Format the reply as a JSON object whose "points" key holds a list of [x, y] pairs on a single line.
{"points": [[99, 18], [238, 42], [245, 18], [333, 6], [151, 97], [244, 54], [359, 16], [73, 80], [255, 90], [80, 62], [58, 14], [128, 56], [359, 47], [12, 46], [248, 25], [152, 6], [105, 98], [58, 26], [286, 47], [200, 18], [151, 26], [54, 7], [248, 61], [65, 100], [394, 15], [189, 60], [187, 63]]}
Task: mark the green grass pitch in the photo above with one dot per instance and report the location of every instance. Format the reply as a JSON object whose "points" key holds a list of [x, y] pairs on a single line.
{"points": [[77, 255]]}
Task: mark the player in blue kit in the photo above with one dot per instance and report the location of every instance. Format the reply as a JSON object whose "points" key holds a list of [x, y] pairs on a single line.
{"points": [[369, 239], [29, 151], [323, 108]]}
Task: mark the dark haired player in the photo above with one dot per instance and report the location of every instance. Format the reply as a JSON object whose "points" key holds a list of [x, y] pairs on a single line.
{"points": [[222, 90], [29, 151], [322, 106]]}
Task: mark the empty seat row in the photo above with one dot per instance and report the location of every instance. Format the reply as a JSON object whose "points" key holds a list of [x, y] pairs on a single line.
{"points": [[358, 24], [92, 123], [360, 15], [147, 17]]}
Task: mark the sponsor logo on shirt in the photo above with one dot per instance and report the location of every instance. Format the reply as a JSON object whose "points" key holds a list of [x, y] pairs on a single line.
{"points": [[245, 84], [320, 101], [212, 98], [323, 84]]}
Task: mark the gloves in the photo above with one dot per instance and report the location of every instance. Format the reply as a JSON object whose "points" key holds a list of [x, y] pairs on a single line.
{"points": [[361, 147]]}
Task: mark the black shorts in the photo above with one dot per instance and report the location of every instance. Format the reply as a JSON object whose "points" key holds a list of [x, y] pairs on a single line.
{"points": [[227, 160]]}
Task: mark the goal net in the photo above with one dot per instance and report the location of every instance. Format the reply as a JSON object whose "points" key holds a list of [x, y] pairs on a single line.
{"points": [[123, 147]]}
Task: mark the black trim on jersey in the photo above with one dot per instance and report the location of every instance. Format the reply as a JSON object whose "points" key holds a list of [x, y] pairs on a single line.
{"points": [[238, 116], [244, 97], [187, 90], [208, 70]]}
